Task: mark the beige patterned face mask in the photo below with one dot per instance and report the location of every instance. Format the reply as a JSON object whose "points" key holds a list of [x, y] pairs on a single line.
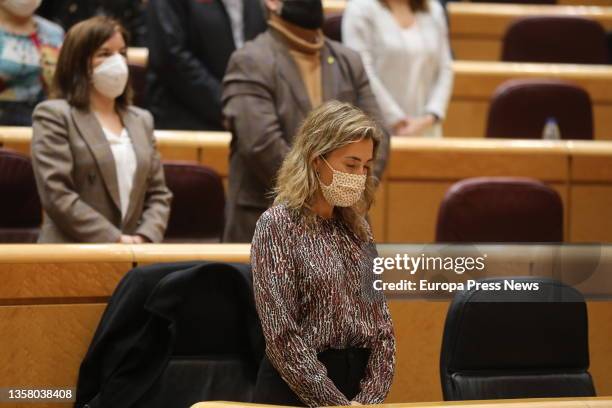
{"points": [[345, 189]]}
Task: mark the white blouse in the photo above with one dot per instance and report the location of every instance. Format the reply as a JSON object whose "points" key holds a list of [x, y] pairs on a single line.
{"points": [[410, 69], [125, 163]]}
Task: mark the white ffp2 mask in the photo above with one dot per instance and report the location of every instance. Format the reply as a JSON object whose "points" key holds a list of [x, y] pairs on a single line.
{"points": [[21, 8], [110, 77], [345, 189]]}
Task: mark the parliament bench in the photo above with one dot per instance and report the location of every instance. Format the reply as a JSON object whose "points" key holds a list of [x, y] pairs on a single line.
{"points": [[477, 29], [53, 296], [420, 170], [475, 83]]}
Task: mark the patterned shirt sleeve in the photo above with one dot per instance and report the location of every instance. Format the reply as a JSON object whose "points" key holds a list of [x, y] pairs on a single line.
{"points": [[378, 375], [379, 371], [276, 298]]}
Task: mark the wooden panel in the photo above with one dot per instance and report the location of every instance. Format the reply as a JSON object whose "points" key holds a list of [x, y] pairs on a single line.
{"points": [[35, 340], [151, 253], [64, 253], [42, 346], [58, 273], [413, 209], [590, 213], [21, 147], [602, 121], [378, 219], [466, 118], [455, 159], [600, 346], [209, 148], [426, 160], [418, 327], [477, 29], [591, 162], [493, 19], [475, 83], [59, 282], [476, 49], [564, 191], [216, 157], [180, 153], [480, 78]]}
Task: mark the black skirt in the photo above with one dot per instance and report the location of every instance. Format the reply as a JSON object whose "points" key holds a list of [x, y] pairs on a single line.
{"points": [[345, 368]]}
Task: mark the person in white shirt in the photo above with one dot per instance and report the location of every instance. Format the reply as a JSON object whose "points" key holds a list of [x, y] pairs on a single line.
{"points": [[405, 50]]}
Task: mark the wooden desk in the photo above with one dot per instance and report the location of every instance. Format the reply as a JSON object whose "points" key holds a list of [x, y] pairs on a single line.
{"points": [[210, 148], [590, 402], [421, 170], [590, 191], [52, 298], [475, 83], [477, 29]]}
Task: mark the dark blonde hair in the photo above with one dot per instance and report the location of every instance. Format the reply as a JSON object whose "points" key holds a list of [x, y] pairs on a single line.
{"points": [[72, 77], [329, 127]]}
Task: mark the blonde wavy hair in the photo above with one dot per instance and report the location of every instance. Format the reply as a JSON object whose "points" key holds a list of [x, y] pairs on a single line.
{"points": [[328, 127]]}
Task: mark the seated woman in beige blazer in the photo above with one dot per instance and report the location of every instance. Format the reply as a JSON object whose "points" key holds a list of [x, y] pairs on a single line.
{"points": [[97, 169]]}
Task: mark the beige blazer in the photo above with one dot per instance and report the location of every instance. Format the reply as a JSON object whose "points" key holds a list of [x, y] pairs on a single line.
{"points": [[264, 102], [77, 179]]}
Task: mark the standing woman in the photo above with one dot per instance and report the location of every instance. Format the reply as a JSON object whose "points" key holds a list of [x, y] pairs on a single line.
{"points": [[405, 50], [97, 168], [29, 46], [329, 336]]}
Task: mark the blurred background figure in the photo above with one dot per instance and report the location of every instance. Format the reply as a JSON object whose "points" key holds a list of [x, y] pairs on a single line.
{"points": [[29, 46], [190, 43], [98, 173], [405, 48], [270, 86], [131, 14]]}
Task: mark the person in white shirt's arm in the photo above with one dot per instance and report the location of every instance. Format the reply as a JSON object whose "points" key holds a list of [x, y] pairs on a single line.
{"points": [[405, 49]]}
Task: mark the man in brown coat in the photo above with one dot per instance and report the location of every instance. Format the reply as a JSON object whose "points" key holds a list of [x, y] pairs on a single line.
{"points": [[269, 87]]}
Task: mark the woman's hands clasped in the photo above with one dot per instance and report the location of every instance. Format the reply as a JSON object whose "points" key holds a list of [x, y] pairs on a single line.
{"points": [[414, 126]]}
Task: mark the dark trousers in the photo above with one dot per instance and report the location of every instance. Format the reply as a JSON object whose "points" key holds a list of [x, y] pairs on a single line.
{"points": [[345, 368]]}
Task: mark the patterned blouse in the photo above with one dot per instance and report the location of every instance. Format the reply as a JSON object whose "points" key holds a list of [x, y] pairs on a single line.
{"points": [[313, 291]]}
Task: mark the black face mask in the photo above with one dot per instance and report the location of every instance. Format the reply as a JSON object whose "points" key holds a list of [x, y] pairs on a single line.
{"points": [[303, 13]]}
